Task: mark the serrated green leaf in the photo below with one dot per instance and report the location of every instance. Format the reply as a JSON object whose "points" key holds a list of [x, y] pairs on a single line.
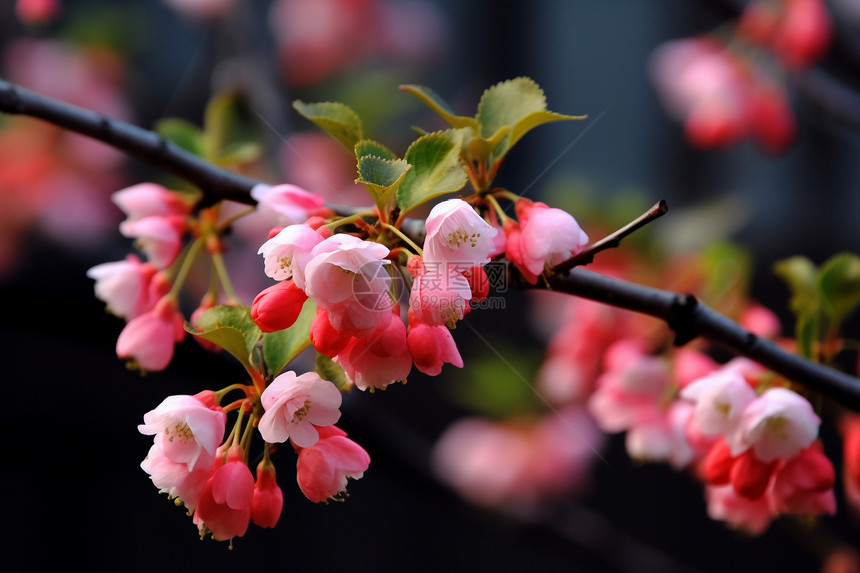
{"points": [[230, 327], [535, 119], [800, 275], [381, 177], [435, 102], [281, 347], [436, 170], [330, 370], [482, 148], [839, 284], [183, 133], [336, 119], [367, 147]]}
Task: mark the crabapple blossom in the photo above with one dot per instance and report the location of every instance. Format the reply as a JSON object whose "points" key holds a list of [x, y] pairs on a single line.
{"points": [[720, 399], [160, 238], [149, 200], [456, 234], [664, 438], [278, 306], [225, 501], [295, 405], [322, 469], [347, 277], [128, 287], [186, 429], [544, 236], [268, 500], [36, 11], [804, 484], [287, 253], [174, 478], [290, 203], [379, 358], [439, 292], [804, 33], [777, 425], [725, 504], [849, 427], [324, 337], [147, 340], [431, 346]]}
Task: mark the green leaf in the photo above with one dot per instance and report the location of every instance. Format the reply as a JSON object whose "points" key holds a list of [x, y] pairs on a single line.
{"points": [[230, 327], [436, 170], [432, 100], [240, 153], [839, 284], [800, 274], [807, 333], [281, 347], [227, 124], [367, 147], [183, 133], [334, 118], [381, 177], [330, 370], [518, 103]]}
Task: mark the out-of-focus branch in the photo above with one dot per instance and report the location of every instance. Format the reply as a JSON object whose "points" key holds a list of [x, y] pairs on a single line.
{"points": [[138, 142], [691, 319]]}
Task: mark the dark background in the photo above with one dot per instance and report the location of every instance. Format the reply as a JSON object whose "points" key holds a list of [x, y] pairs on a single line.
{"points": [[75, 497]]}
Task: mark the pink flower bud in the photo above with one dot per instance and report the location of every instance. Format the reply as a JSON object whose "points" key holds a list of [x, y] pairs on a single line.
{"points": [[125, 286], [278, 306], [225, 502], [291, 203], [147, 341], [268, 500], [804, 33], [379, 358], [431, 347], [37, 11], [325, 338], [149, 200], [804, 484]]}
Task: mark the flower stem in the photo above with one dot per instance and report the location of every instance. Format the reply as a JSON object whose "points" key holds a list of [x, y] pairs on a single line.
{"points": [[224, 277], [187, 263], [403, 236]]}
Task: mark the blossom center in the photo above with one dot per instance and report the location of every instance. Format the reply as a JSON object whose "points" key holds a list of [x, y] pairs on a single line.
{"points": [[776, 426], [180, 431], [302, 412], [285, 262], [455, 238]]}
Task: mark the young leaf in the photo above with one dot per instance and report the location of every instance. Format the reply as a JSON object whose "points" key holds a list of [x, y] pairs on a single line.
{"points": [[381, 177], [334, 118], [839, 283], [432, 100], [281, 347], [230, 327], [800, 274], [183, 133], [330, 370], [226, 124], [436, 169], [370, 147]]}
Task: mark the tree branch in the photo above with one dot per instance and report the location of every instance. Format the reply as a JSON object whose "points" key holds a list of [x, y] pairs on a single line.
{"points": [[683, 313], [690, 319], [139, 143]]}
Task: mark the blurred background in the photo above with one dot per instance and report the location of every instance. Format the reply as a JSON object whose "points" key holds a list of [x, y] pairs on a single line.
{"points": [[75, 492]]}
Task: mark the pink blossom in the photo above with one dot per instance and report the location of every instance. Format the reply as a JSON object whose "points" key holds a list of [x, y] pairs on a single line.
{"points": [[296, 405], [804, 33], [268, 500], [439, 292], [431, 347], [777, 425], [128, 287], [147, 340], [720, 399], [761, 321], [287, 253], [186, 430], [36, 11], [159, 237], [379, 358], [290, 203], [149, 200], [324, 337], [322, 470], [225, 501], [750, 515], [278, 306], [544, 237], [663, 439], [174, 478], [457, 235], [804, 484], [347, 277]]}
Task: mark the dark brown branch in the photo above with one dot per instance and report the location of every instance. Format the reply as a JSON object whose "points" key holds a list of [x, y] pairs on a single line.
{"points": [[139, 143], [690, 319], [613, 240]]}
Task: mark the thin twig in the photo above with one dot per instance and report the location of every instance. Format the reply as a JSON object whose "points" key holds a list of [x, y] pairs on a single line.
{"points": [[613, 240]]}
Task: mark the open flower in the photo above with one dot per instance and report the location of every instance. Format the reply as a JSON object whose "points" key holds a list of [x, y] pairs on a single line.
{"points": [[147, 341], [322, 470], [128, 287], [456, 234], [287, 253], [291, 203], [295, 405], [778, 424]]}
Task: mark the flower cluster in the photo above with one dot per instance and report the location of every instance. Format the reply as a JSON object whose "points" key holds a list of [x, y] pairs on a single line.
{"points": [[726, 87]]}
